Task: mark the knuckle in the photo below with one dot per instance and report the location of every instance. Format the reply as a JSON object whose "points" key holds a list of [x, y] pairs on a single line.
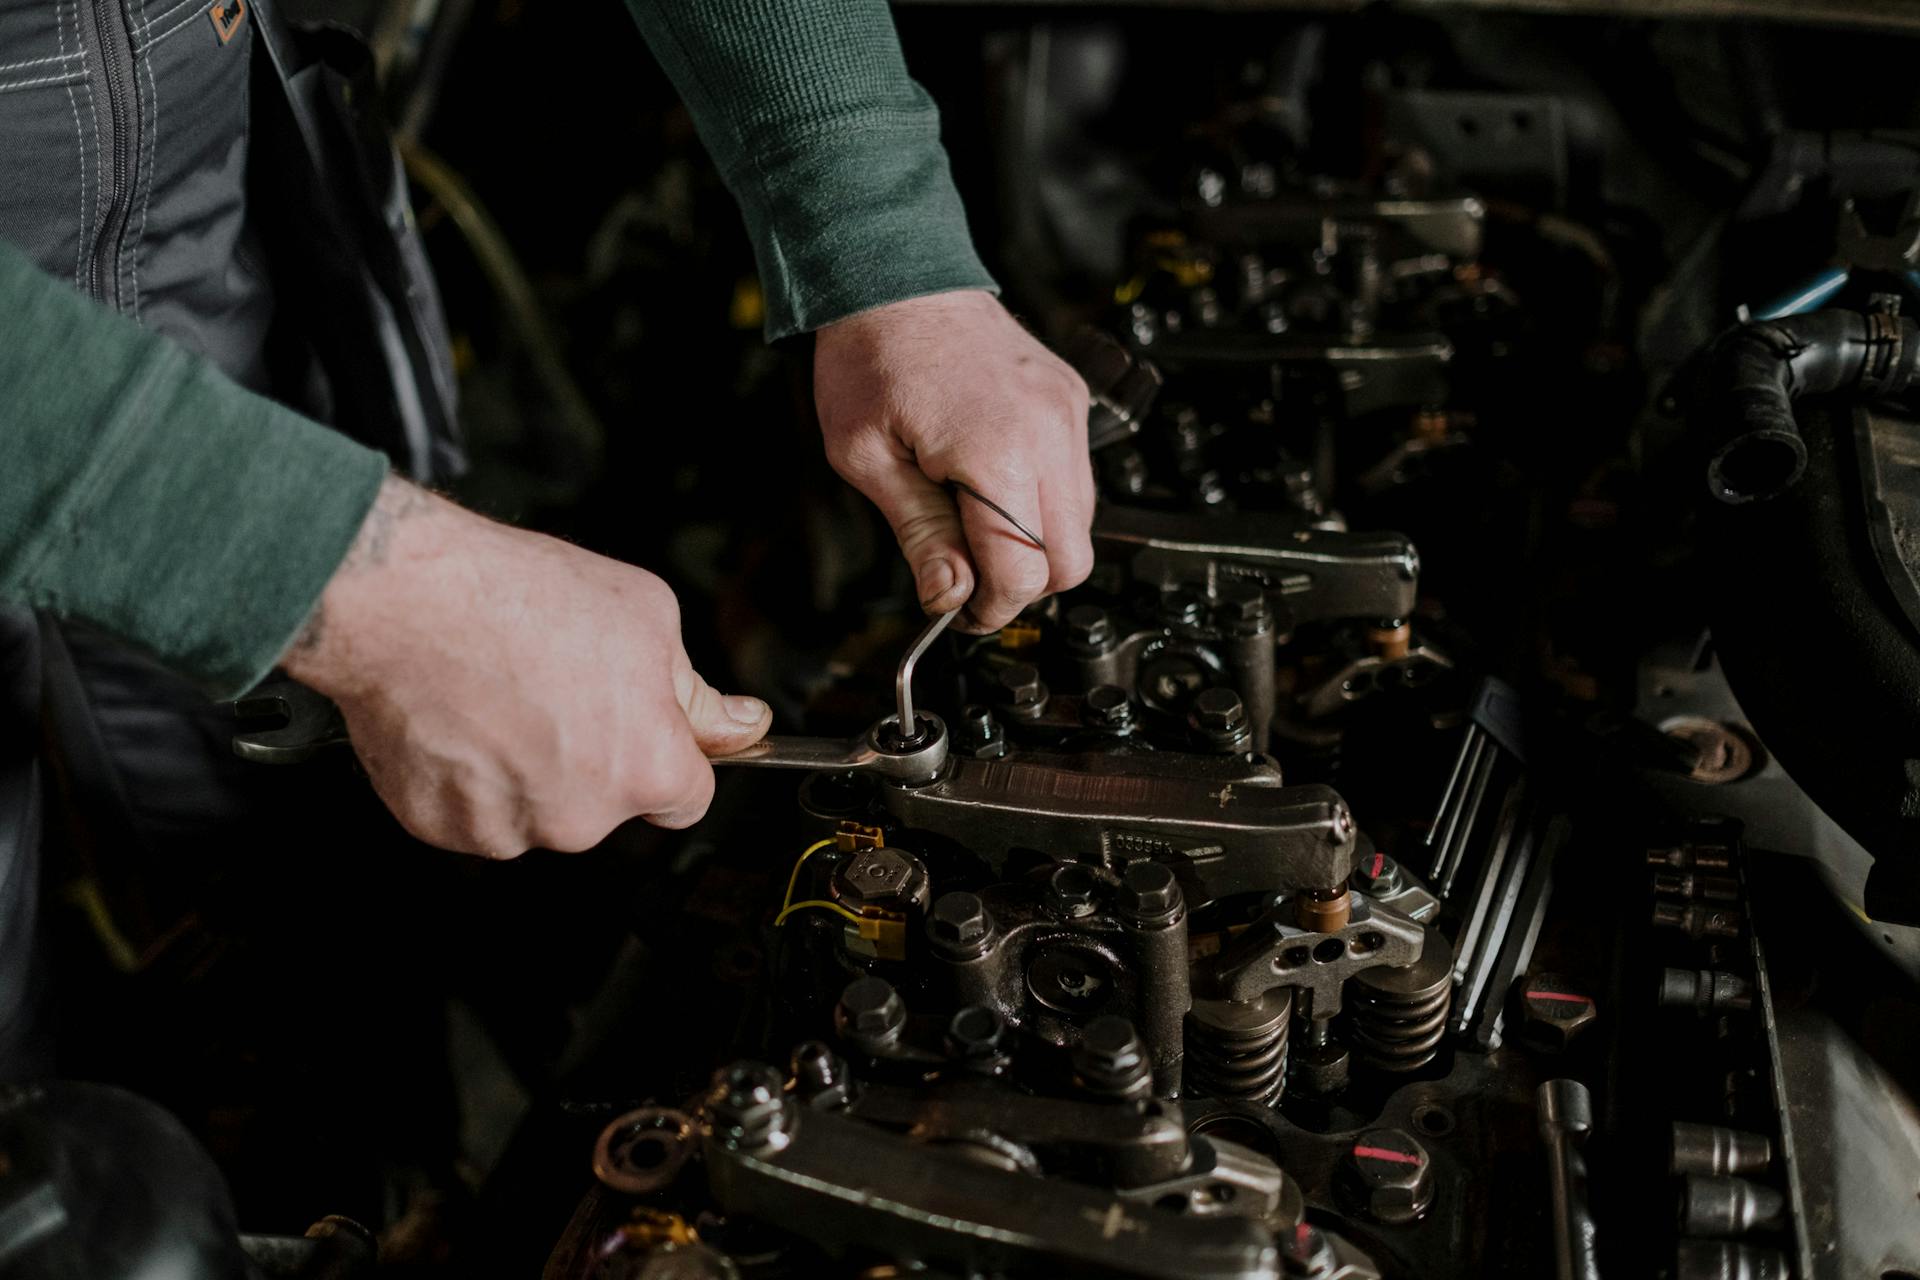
{"points": [[676, 778], [658, 600], [573, 831], [1075, 563], [917, 528], [1026, 579], [857, 456]]}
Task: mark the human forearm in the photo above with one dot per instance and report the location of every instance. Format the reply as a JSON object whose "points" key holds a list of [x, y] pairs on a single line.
{"points": [[507, 690], [145, 494], [830, 147]]}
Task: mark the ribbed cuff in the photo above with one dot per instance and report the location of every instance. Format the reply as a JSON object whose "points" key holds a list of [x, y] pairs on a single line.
{"points": [[205, 526], [856, 219]]}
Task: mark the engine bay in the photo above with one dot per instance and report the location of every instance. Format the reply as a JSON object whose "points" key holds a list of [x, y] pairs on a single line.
{"points": [[1357, 876], [1463, 827]]}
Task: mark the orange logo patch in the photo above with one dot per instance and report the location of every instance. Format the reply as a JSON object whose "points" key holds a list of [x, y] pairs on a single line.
{"points": [[227, 17]]}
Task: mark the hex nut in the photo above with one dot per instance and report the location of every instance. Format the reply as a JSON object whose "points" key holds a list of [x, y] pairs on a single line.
{"points": [[870, 1011], [1149, 892], [959, 919]]}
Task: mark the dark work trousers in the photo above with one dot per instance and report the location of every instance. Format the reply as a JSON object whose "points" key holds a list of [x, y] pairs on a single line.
{"points": [[259, 948]]}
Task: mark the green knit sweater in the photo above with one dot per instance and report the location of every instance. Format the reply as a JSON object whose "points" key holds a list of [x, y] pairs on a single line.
{"points": [[142, 492]]}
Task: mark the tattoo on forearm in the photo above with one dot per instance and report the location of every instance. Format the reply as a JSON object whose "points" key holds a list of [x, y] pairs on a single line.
{"points": [[308, 638], [398, 501]]}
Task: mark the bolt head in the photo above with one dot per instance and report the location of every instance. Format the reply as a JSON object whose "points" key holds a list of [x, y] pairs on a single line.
{"points": [[959, 919], [1391, 1174], [744, 1086], [1376, 874], [1181, 608], [1020, 685], [1148, 890], [976, 730], [1071, 887], [870, 1009], [1553, 1011], [975, 1031], [1110, 1043], [816, 1066], [1107, 706], [1089, 627], [1219, 710], [1304, 1251], [1242, 608]]}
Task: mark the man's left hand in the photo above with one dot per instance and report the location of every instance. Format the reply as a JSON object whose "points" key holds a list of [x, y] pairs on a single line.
{"points": [[950, 387]]}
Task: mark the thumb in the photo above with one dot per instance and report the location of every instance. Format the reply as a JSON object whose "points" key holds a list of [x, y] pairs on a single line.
{"points": [[927, 525], [721, 723]]}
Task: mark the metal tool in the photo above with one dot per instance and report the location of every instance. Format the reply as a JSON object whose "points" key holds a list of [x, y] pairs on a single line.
{"points": [[876, 751], [908, 746], [312, 723], [908, 725], [1566, 1118]]}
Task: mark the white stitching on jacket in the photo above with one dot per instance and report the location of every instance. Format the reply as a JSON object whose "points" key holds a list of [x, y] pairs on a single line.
{"points": [[148, 40], [67, 78], [153, 151], [147, 26], [79, 138], [41, 62]]}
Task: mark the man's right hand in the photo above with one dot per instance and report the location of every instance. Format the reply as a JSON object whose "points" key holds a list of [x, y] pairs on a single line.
{"points": [[506, 690]]}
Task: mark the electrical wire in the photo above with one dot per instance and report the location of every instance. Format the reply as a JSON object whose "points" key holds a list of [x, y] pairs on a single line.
{"points": [[824, 905], [787, 905]]}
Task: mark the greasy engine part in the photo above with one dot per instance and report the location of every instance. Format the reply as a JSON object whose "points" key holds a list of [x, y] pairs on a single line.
{"points": [[1050, 955], [1318, 574], [1808, 617], [1203, 582], [1398, 1013], [1319, 281], [1227, 823], [1745, 410], [770, 1158]]}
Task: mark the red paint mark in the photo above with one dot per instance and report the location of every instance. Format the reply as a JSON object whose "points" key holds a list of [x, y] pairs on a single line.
{"points": [[1386, 1153], [1379, 860], [1562, 996]]}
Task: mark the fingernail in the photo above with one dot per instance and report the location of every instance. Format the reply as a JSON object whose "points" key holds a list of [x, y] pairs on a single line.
{"points": [[935, 579], [743, 709]]}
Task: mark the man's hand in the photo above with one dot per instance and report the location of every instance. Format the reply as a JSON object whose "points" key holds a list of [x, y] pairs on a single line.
{"points": [[950, 387], [507, 690]]}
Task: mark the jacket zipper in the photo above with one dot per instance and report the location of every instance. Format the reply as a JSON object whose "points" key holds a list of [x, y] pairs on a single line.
{"points": [[114, 44]]}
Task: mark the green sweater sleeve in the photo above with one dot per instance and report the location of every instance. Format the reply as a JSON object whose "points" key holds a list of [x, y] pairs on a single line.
{"points": [[143, 492], [829, 146]]}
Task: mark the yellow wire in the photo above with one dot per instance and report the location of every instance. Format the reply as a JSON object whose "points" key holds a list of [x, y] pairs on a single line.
{"points": [[834, 907], [786, 903]]}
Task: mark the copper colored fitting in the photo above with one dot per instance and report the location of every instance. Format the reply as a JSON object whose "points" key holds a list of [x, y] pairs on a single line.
{"points": [[1323, 910], [1390, 640]]}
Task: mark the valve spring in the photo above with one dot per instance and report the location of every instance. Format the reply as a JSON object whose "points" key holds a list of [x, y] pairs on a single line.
{"points": [[1398, 1016], [1237, 1049]]}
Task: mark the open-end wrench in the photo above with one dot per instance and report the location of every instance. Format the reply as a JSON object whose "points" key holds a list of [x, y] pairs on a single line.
{"points": [[313, 723], [907, 747]]}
